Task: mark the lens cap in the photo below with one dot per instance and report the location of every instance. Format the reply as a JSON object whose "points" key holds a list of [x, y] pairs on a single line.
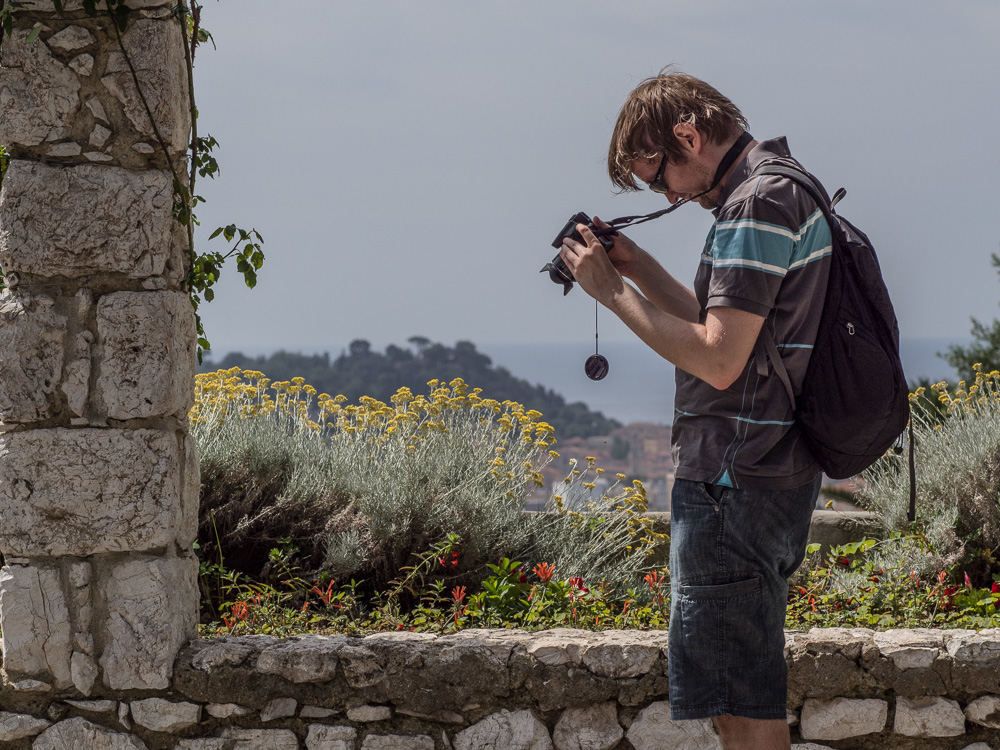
{"points": [[596, 367]]}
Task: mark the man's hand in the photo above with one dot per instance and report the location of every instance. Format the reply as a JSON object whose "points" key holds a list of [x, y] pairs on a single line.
{"points": [[625, 255], [591, 265]]}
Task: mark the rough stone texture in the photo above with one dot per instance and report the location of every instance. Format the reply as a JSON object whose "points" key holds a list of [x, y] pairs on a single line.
{"points": [[35, 624], [205, 743], [369, 713], [984, 711], [39, 96], [397, 742], [225, 710], [311, 658], [830, 662], [974, 659], [322, 737], [80, 733], [152, 611], [18, 726], [94, 230], [519, 730], [840, 718], [653, 730], [157, 52], [591, 728], [910, 649], [71, 39], [316, 712], [148, 342], [278, 708], [97, 707], [83, 492], [929, 717], [161, 715], [616, 654], [262, 739], [29, 375]]}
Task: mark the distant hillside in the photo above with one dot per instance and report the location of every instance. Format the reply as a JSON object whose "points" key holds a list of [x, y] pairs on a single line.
{"points": [[360, 371]]}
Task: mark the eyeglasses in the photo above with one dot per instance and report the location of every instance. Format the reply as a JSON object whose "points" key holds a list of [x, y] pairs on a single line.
{"points": [[658, 185]]}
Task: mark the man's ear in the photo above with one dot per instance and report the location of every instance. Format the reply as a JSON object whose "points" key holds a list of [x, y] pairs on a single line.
{"points": [[689, 138]]}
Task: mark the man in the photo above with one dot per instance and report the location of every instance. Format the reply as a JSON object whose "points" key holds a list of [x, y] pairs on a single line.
{"points": [[745, 483]]}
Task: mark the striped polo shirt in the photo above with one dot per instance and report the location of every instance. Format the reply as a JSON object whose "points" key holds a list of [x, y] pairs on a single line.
{"points": [[768, 253]]}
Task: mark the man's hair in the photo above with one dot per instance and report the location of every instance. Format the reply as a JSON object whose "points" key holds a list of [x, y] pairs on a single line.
{"points": [[646, 121]]}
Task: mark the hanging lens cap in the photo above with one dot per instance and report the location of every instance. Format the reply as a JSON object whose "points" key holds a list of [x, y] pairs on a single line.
{"points": [[596, 367]]}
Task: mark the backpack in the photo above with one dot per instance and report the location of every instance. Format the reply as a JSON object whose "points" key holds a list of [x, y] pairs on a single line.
{"points": [[854, 402]]}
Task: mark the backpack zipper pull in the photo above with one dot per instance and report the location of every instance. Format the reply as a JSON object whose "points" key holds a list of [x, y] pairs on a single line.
{"points": [[850, 344], [850, 328]]}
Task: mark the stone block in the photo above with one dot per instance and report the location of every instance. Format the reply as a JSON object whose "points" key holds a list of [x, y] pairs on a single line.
{"points": [[910, 649], [311, 658], [225, 710], [518, 730], [278, 708], [18, 726], [560, 646], [589, 728], [39, 95], [148, 354], [156, 49], [262, 739], [618, 654], [98, 706], [974, 659], [984, 711], [323, 737], [161, 715], [80, 733], [84, 220], [152, 611], [652, 729], [929, 717], [368, 713], [71, 39], [32, 345], [205, 743], [87, 491], [840, 718], [35, 624]]}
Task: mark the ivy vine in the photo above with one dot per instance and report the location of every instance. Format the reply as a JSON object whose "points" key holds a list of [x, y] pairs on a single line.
{"points": [[245, 246]]}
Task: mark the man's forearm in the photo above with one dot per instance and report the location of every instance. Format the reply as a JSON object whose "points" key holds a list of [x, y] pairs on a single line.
{"points": [[664, 291]]}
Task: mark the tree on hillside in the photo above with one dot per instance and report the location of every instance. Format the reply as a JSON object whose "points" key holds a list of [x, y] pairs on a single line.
{"points": [[362, 371], [985, 347]]}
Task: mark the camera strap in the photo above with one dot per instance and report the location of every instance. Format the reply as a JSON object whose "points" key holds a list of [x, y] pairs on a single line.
{"points": [[727, 161]]}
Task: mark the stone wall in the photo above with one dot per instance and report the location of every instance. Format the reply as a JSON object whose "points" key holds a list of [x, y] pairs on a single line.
{"points": [[98, 475], [512, 690]]}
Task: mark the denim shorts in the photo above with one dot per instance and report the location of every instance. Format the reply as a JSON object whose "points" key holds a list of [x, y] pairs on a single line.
{"points": [[731, 554]]}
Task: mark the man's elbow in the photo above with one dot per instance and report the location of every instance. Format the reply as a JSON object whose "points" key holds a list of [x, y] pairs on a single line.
{"points": [[722, 375]]}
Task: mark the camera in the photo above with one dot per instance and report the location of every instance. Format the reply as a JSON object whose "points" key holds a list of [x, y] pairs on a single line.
{"points": [[557, 269]]}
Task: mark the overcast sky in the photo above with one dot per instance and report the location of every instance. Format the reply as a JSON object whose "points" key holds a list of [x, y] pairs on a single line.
{"points": [[409, 163]]}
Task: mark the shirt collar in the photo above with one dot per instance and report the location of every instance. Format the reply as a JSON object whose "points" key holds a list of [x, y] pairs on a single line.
{"points": [[763, 151]]}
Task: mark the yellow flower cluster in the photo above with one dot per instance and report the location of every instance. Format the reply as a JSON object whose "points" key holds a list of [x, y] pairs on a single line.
{"points": [[982, 395], [409, 418]]}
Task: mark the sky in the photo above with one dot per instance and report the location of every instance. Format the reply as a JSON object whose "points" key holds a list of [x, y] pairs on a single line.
{"points": [[409, 163]]}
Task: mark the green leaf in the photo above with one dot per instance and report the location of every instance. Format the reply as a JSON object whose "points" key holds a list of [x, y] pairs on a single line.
{"points": [[209, 295], [812, 549], [35, 32], [216, 233], [59, 6]]}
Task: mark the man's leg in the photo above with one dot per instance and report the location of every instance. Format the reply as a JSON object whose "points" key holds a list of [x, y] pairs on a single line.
{"points": [[738, 733]]}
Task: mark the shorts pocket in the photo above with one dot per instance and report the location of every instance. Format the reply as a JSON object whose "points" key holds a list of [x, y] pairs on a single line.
{"points": [[724, 625]]}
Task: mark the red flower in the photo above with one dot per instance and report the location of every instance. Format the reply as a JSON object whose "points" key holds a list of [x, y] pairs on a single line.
{"points": [[968, 581], [995, 589], [544, 571], [577, 582]]}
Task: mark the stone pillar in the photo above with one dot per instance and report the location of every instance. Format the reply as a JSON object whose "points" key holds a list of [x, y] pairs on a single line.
{"points": [[98, 475]]}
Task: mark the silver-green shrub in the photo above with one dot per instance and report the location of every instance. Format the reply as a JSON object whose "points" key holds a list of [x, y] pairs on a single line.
{"points": [[359, 489]]}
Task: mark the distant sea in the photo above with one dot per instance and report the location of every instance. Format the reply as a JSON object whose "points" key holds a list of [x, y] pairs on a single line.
{"points": [[640, 385]]}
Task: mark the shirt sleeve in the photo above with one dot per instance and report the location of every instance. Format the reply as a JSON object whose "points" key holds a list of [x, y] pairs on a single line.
{"points": [[751, 252]]}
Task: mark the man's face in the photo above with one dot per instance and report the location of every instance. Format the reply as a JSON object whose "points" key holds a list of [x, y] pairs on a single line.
{"points": [[683, 179]]}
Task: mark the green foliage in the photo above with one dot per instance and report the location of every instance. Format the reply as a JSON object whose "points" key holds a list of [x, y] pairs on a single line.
{"points": [[985, 349], [360, 371], [889, 583]]}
